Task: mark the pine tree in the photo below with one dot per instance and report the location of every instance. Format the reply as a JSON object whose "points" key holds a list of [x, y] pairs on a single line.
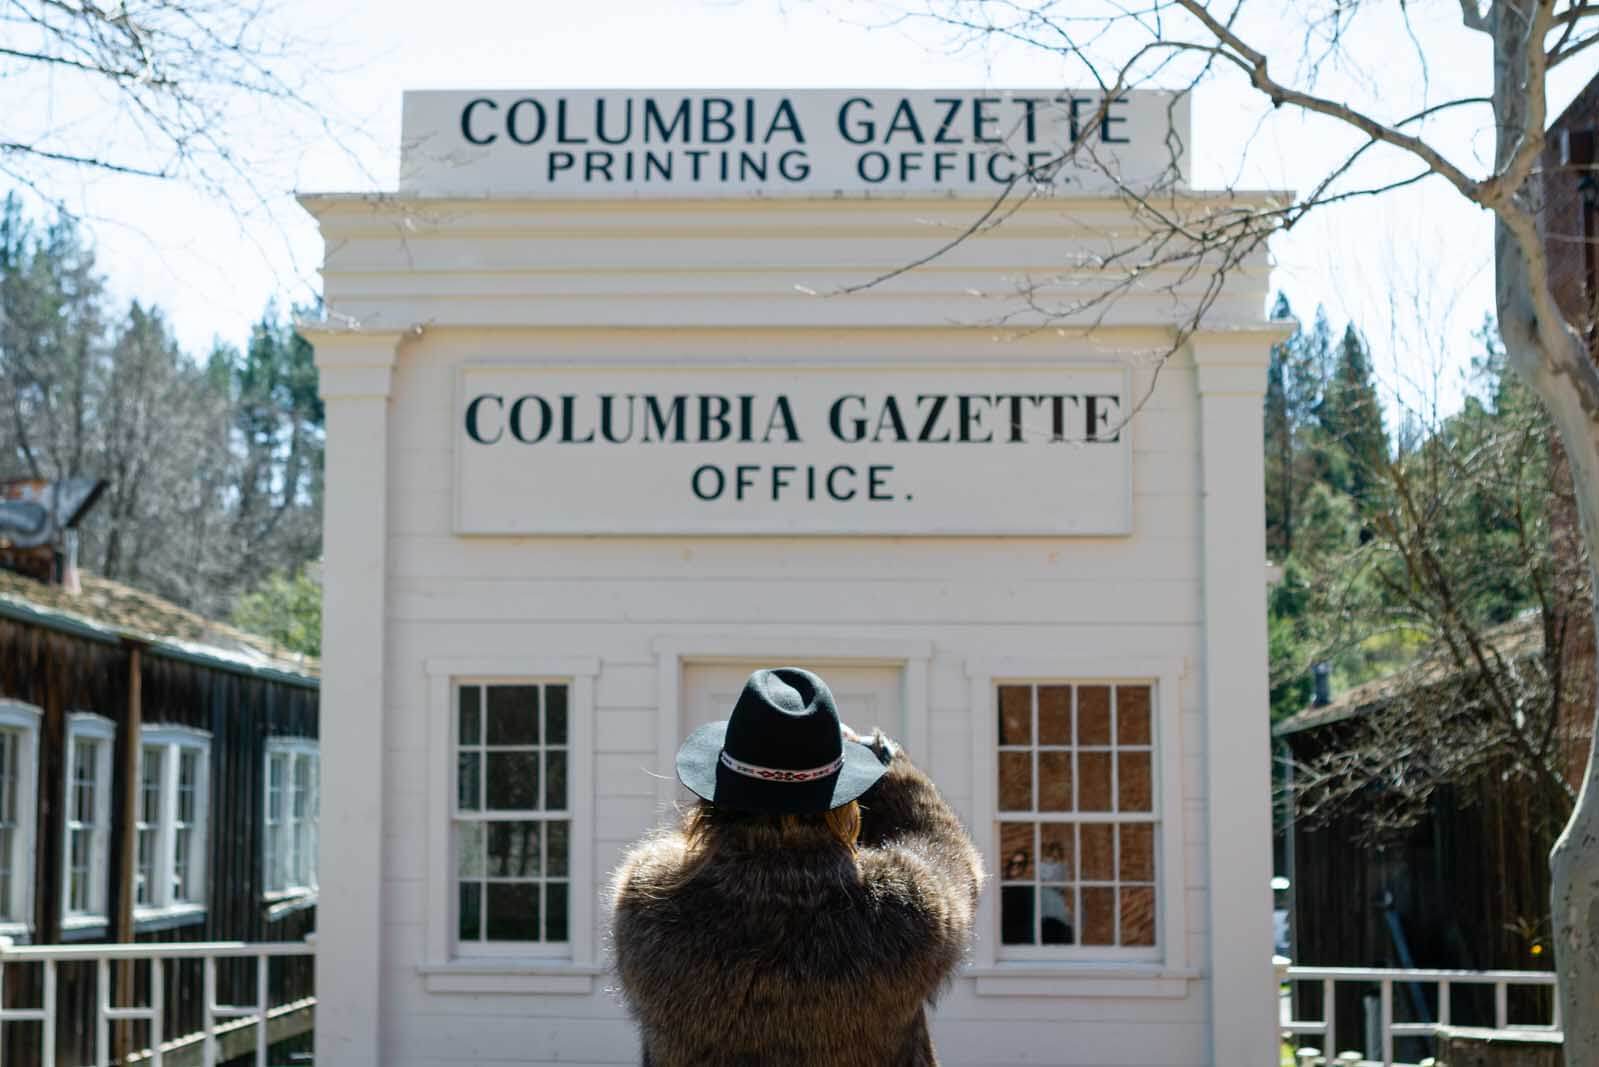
{"points": [[1279, 443], [1352, 419]]}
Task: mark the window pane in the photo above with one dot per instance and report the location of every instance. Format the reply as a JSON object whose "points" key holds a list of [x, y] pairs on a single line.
{"points": [[273, 863], [513, 849], [1054, 781], [1134, 790], [1132, 715], [302, 786], [144, 880], [1138, 915], [1056, 913], [276, 773], [555, 911], [1094, 789], [150, 786], [8, 780], [1054, 714], [555, 714], [1016, 845], [1057, 853], [304, 855], [471, 921], [555, 781], [471, 723], [1093, 715], [180, 864], [1137, 852], [1099, 916], [468, 775], [1015, 715], [85, 766], [513, 781], [1016, 915], [557, 834], [469, 850], [1015, 781], [188, 777], [513, 909], [1098, 858], [513, 715]]}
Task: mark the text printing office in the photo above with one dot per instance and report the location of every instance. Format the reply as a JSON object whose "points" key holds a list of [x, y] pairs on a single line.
{"points": [[607, 428]]}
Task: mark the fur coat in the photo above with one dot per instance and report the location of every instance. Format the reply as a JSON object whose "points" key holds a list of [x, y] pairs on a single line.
{"points": [[800, 956]]}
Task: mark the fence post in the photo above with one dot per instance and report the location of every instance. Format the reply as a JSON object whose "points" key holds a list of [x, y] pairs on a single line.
{"points": [[47, 1026], [1387, 993], [209, 1018], [102, 1012], [158, 1009], [261, 999], [1329, 1012]]}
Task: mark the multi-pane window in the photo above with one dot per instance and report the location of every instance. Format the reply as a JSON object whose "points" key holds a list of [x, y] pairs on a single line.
{"points": [[170, 855], [185, 824], [1077, 816], [19, 737], [88, 814], [149, 825], [512, 822], [292, 785], [10, 743]]}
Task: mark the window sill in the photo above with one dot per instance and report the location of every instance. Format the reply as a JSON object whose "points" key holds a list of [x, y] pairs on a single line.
{"points": [[509, 976], [149, 920], [83, 927], [282, 905], [16, 933], [1070, 979]]}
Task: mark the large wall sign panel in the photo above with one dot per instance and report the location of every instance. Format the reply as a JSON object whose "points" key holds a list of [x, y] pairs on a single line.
{"points": [[762, 450]]}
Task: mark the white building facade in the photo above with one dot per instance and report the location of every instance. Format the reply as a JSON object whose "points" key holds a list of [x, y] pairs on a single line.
{"points": [[627, 394]]}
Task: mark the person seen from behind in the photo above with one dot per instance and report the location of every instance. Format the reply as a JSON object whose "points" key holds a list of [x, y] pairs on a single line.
{"points": [[812, 903]]}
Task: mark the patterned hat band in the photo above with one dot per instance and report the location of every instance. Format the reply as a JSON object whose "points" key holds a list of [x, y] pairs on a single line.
{"points": [[778, 774]]}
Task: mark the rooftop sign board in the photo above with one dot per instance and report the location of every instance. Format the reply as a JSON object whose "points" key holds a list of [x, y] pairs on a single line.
{"points": [[806, 143]]}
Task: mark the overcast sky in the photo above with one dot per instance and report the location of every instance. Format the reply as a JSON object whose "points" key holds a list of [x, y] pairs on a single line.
{"points": [[1413, 269]]}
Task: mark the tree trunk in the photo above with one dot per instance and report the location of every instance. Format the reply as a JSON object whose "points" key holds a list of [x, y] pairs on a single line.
{"points": [[1550, 357], [1574, 861]]}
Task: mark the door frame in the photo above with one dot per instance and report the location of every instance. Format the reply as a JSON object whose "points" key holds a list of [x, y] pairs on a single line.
{"points": [[673, 653]]}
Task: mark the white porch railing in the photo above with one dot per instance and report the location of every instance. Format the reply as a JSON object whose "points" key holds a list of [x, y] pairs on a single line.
{"points": [[1385, 979], [216, 1019]]}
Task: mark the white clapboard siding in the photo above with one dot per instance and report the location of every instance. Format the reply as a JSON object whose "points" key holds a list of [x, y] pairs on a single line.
{"points": [[739, 283]]}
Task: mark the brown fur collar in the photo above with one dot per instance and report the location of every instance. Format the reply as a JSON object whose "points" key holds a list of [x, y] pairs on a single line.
{"points": [[804, 954]]}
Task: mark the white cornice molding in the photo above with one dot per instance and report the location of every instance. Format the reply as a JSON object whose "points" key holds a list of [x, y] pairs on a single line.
{"points": [[353, 360], [1232, 360]]}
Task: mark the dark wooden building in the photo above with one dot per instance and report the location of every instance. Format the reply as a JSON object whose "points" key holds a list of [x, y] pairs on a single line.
{"points": [[158, 782], [1464, 888]]}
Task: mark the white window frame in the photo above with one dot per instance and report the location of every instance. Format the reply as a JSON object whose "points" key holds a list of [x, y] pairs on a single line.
{"points": [[88, 726], [510, 967], [173, 741], [292, 750], [22, 720], [1066, 970]]}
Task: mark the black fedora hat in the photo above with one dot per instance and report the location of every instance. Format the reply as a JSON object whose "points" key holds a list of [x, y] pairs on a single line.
{"points": [[780, 752]]}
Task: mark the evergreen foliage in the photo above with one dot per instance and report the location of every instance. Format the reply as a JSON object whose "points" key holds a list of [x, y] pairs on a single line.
{"points": [[1388, 549], [214, 467], [286, 608]]}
